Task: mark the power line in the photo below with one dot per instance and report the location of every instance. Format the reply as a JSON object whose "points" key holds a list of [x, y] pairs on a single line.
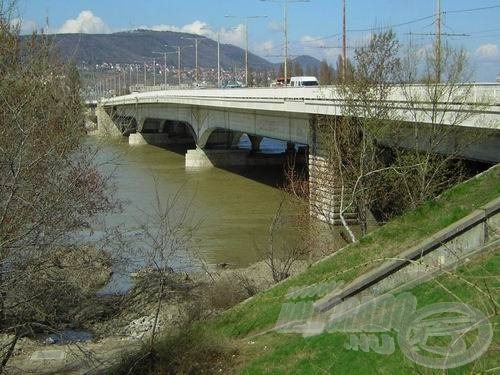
{"points": [[399, 24], [392, 26], [484, 31], [471, 9]]}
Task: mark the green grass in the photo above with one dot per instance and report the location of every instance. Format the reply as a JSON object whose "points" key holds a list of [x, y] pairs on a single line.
{"points": [[249, 326], [396, 236], [285, 354]]}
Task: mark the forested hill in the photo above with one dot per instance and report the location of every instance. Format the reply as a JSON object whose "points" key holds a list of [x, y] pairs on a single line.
{"points": [[135, 46]]}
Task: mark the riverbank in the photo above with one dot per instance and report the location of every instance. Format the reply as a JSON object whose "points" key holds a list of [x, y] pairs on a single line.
{"points": [[123, 324]]}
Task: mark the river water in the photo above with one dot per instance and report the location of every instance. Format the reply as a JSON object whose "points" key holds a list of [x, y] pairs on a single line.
{"points": [[233, 209]]}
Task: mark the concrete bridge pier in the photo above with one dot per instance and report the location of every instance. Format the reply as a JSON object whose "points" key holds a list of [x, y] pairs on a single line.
{"points": [[217, 148], [255, 140], [206, 158], [325, 197], [160, 132]]}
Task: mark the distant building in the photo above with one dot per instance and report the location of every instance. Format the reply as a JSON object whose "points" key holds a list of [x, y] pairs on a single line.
{"points": [[498, 78]]}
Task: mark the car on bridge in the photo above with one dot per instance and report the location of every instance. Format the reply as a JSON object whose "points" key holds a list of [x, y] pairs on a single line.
{"points": [[303, 81]]}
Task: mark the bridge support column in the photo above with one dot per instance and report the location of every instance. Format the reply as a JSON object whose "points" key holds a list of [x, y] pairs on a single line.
{"points": [[324, 190], [159, 139], [105, 124], [255, 140], [206, 158]]}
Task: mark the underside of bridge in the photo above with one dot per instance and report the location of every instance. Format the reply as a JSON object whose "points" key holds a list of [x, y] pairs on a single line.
{"points": [[217, 138]]}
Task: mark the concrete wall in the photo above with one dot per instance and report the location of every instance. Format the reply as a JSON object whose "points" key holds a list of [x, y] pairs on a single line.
{"points": [[443, 250], [279, 125], [106, 125]]}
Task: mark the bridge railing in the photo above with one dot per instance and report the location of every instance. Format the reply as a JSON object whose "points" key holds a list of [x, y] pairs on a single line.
{"points": [[488, 94]]}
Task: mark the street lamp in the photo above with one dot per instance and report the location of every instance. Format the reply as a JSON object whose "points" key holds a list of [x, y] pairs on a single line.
{"points": [[179, 61], [164, 64], [154, 72], [246, 18], [196, 40], [285, 27], [218, 54]]}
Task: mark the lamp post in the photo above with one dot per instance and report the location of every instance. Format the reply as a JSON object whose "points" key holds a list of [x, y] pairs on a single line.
{"points": [[179, 49], [246, 18], [196, 40], [154, 72], [285, 29], [344, 43], [218, 54], [164, 65], [438, 41]]}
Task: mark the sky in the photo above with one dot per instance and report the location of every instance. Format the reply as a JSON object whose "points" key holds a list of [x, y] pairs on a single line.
{"points": [[314, 26]]}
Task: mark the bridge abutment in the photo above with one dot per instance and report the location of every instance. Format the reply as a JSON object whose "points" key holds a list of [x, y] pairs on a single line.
{"points": [[328, 200], [105, 123]]}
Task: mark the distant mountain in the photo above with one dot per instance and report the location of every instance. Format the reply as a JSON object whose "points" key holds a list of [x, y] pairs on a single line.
{"points": [[307, 62], [134, 46]]}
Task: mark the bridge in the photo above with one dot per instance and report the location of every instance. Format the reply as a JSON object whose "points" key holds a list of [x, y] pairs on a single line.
{"points": [[215, 119]]}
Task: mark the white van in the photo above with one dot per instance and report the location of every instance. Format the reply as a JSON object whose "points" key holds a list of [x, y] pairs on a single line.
{"points": [[303, 81]]}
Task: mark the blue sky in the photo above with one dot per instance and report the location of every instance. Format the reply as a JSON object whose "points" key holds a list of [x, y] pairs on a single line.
{"points": [[309, 22]]}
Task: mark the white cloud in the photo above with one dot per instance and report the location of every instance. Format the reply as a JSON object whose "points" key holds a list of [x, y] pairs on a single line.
{"points": [[234, 35], [197, 27], [312, 41], [487, 52], [265, 47], [86, 22]]}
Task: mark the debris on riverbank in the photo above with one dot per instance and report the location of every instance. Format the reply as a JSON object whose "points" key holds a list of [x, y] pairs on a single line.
{"points": [[123, 323]]}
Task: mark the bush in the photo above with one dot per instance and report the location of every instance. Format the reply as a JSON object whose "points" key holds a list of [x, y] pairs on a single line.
{"points": [[192, 350]]}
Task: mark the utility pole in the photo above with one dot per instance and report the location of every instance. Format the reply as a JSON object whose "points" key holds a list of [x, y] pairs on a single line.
{"points": [[154, 72], [246, 52], [438, 41], [246, 18], [164, 65], [165, 68], [218, 55], [285, 30], [344, 43], [196, 40], [179, 64], [218, 59]]}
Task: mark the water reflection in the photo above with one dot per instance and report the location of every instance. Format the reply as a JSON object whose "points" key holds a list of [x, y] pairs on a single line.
{"points": [[234, 208]]}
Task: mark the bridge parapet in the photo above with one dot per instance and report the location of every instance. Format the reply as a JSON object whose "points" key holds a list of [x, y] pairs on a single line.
{"points": [[409, 103]]}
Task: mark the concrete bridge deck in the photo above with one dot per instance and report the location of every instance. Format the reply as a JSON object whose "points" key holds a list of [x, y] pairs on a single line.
{"points": [[410, 103]]}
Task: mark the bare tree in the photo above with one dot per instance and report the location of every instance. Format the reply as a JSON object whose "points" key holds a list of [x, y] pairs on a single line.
{"points": [[51, 188], [166, 242], [378, 158], [282, 254]]}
